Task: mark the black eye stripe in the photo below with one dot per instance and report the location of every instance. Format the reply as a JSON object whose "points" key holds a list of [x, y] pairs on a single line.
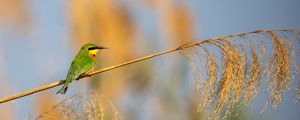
{"points": [[93, 48]]}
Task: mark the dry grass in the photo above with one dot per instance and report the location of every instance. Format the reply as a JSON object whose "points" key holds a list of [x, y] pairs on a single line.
{"points": [[280, 66], [233, 80], [90, 106]]}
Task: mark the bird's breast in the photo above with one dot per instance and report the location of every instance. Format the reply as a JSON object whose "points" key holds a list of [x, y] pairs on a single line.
{"points": [[93, 56]]}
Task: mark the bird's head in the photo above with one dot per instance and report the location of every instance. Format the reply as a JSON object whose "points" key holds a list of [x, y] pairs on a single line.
{"points": [[92, 49]]}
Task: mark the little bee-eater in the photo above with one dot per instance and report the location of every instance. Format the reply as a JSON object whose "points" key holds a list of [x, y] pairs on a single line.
{"points": [[82, 64]]}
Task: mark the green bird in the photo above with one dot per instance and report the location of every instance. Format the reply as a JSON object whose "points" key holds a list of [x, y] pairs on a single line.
{"points": [[82, 64]]}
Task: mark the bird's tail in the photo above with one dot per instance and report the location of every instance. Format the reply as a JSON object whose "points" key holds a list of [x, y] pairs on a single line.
{"points": [[64, 89]]}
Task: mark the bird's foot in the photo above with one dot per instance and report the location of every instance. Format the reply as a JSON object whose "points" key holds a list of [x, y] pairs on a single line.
{"points": [[88, 73], [83, 75]]}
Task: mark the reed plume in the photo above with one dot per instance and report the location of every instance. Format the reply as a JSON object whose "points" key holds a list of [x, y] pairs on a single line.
{"points": [[87, 106], [236, 67]]}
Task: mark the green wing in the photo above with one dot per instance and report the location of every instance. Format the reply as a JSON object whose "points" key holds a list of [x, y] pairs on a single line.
{"points": [[80, 65]]}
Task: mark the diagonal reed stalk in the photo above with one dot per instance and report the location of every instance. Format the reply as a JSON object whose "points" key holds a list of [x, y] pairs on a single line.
{"points": [[234, 71]]}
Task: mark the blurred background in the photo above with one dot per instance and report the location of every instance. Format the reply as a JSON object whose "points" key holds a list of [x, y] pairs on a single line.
{"points": [[39, 39]]}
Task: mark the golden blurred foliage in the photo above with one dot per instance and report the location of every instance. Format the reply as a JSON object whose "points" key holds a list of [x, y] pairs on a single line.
{"points": [[175, 21], [105, 23], [13, 12]]}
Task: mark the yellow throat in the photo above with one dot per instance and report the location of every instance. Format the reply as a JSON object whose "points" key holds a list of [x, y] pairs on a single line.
{"points": [[92, 54]]}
